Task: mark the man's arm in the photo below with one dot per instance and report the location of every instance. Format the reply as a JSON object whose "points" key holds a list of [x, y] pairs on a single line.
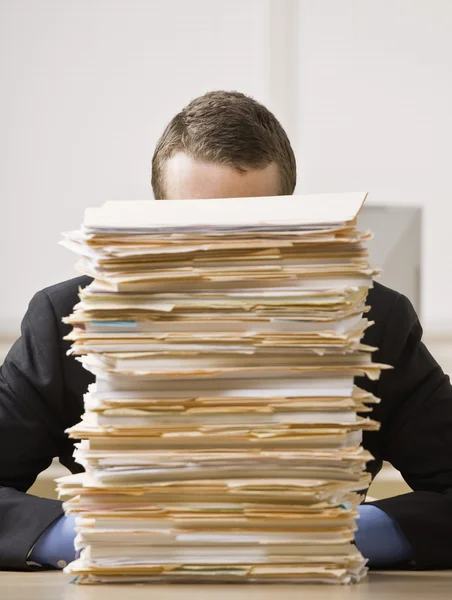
{"points": [[31, 429], [380, 540], [416, 437], [55, 546]]}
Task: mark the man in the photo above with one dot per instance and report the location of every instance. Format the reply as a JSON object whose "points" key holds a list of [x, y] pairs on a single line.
{"points": [[225, 144]]}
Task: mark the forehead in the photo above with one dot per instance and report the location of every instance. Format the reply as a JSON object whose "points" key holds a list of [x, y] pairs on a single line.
{"points": [[186, 177]]}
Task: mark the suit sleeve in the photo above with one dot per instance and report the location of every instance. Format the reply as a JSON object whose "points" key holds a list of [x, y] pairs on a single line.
{"points": [[416, 438], [31, 393]]}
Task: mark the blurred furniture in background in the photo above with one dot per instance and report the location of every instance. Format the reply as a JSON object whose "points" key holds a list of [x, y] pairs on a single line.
{"points": [[396, 246]]}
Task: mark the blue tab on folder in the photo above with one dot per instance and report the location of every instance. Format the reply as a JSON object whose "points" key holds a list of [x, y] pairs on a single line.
{"points": [[115, 323]]}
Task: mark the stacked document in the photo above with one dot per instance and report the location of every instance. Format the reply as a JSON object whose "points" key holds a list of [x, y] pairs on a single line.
{"points": [[221, 438]]}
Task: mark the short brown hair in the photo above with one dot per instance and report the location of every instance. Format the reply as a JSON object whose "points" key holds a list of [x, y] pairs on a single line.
{"points": [[227, 128]]}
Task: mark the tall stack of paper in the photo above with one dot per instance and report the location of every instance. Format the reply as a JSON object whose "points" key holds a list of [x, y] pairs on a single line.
{"points": [[221, 439]]}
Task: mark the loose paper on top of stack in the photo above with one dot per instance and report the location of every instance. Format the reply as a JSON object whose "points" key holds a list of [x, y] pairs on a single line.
{"points": [[221, 439]]}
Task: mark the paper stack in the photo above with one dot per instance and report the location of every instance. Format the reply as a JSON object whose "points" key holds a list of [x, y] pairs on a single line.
{"points": [[221, 439]]}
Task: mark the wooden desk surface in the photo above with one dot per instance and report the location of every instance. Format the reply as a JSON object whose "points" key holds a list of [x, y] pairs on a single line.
{"points": [[387, 586]]}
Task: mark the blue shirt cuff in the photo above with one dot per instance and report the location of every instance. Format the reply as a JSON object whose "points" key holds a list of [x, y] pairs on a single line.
{"points": [[55, 546], [380, 539]]}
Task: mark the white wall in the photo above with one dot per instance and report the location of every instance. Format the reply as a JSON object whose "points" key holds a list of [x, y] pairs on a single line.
{"points": [[375, 113], [87, 88]]}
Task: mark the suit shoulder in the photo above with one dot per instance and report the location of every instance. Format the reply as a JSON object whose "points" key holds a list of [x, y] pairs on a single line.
{"points": [[384, 301], [64, 295], [388, 306], [381, 299]]}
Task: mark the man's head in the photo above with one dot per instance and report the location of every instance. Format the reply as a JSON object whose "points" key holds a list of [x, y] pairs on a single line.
{"points": [[223, 144]]}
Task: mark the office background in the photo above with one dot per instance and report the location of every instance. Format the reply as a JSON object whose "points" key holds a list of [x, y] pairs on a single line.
{"points": [[362, 87]]}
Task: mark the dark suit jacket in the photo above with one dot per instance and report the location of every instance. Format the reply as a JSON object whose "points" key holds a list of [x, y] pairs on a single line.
{"points": [[41, 394]]}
